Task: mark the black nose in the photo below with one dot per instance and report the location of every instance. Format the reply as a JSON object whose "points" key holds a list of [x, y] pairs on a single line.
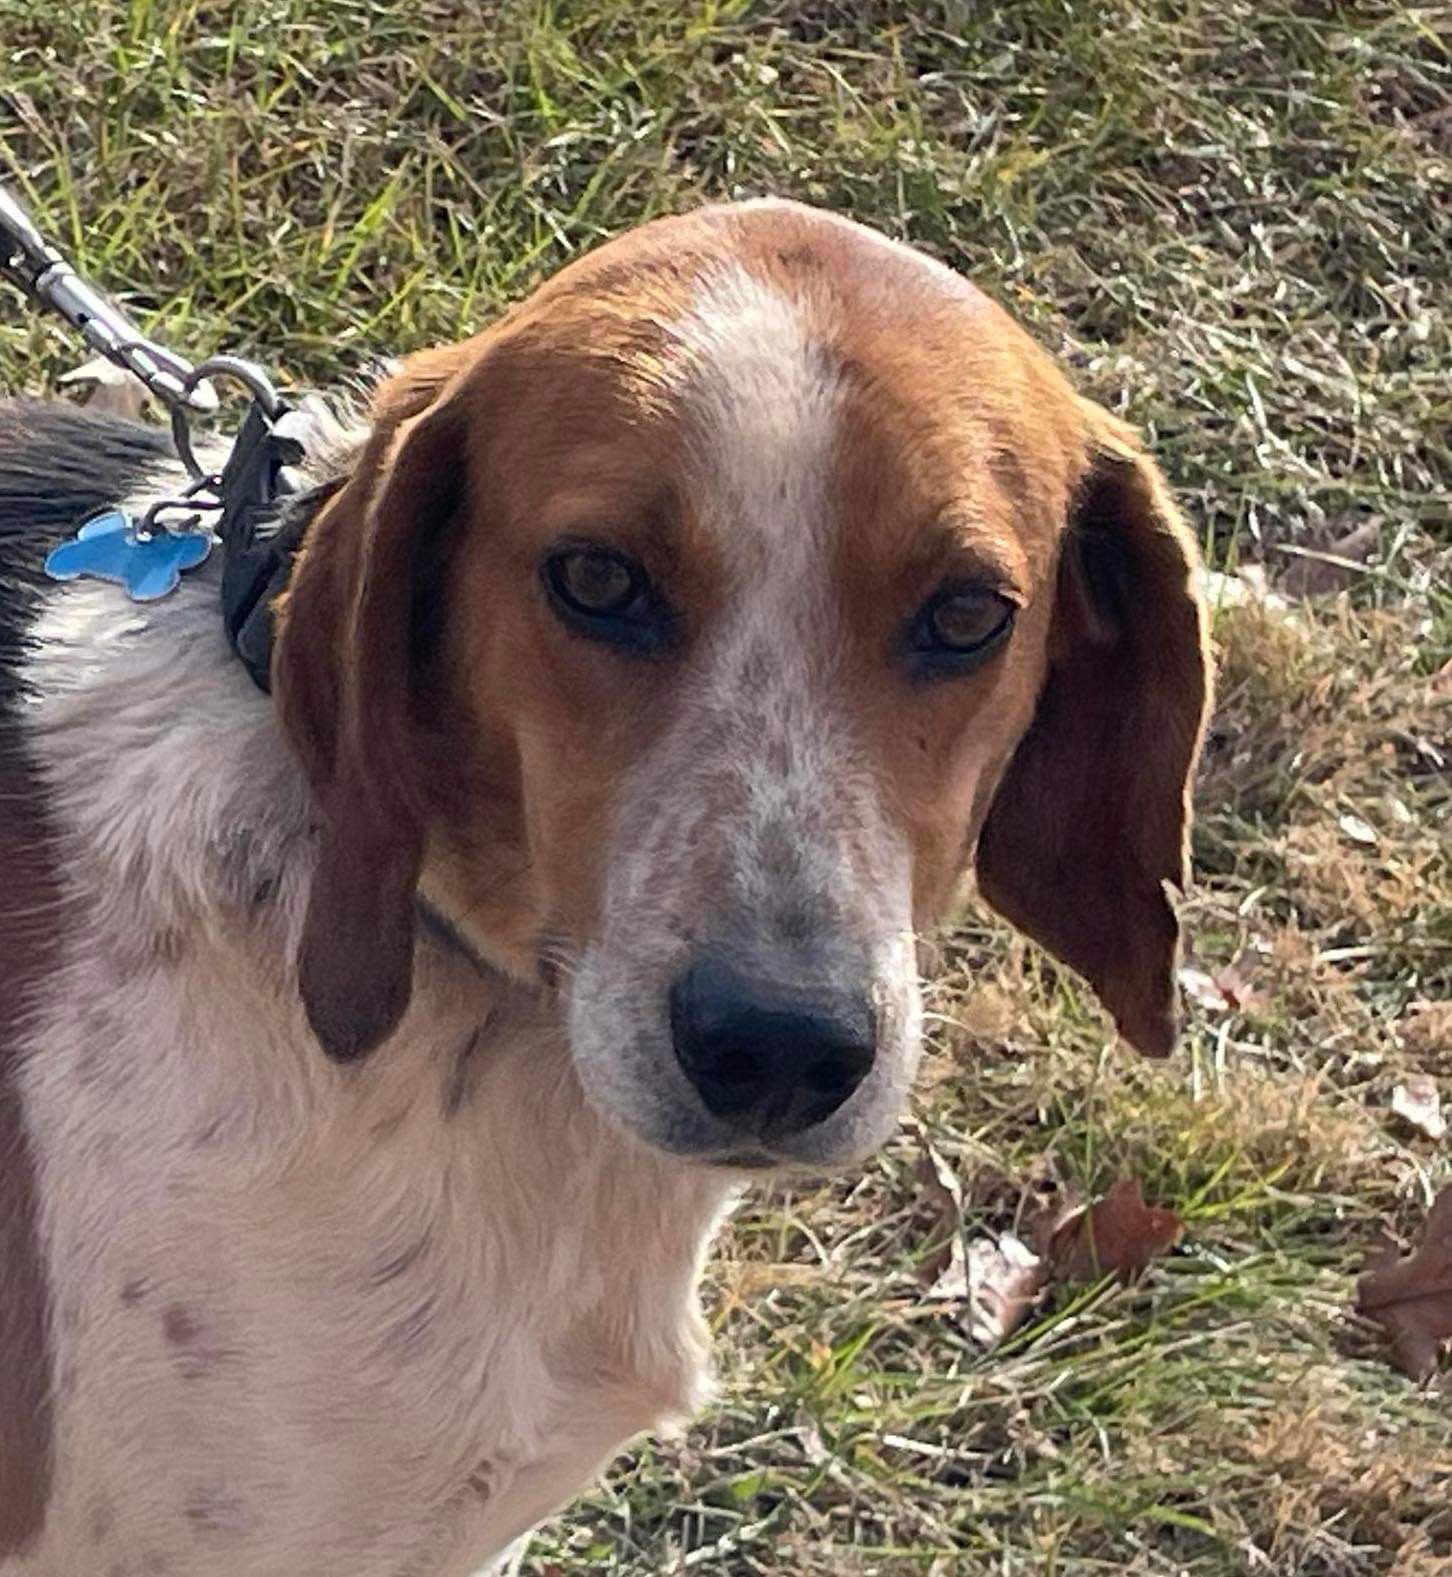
{"points": [[768, 1060]]}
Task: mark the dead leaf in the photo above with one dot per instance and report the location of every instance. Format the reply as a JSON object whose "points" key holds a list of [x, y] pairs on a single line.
{"points": [[109, 389], [1410, 1295], [1248, 588], [942, 1197], [753, 1279], [997, 1278], [1418, 1102], [1117, 1235], [1426, 1028], [983, 1020], [814, 1448], [1004, 1280], [1226, 991], [1000, 1278], [1234, 984], [1358, 829]]}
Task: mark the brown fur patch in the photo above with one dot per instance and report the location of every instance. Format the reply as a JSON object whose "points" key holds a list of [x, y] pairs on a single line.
{"points": [[180, 1325], [460, 1078], [409, 1335], [28, 929], [395, 1265]]}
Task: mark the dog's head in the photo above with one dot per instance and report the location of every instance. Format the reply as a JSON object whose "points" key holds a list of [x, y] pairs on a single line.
{"points": [[686, 636]]}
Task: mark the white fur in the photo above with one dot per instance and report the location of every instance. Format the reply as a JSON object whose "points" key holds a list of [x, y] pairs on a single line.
{"points": [[304, 1320], [763, 404], [755, 823]]}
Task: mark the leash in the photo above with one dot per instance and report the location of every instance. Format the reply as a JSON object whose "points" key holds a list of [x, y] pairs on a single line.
{"points": [[149, 554]]}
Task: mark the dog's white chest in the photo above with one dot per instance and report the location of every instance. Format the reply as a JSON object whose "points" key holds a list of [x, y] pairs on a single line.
{"points": [[362, 1321], [370, 1321]]}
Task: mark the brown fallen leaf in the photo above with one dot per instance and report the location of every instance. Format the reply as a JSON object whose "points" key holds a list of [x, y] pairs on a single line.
{"points": [[1202, 990], [1117, 1235], [1228, 990], [1426, 1028], [751, 1280], [1235, 985], [997, 1281], [1410, 1295], [1248, 588]]}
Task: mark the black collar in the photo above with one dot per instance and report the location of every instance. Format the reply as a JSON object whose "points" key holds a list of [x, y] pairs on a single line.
{"points": [[265, 516]]}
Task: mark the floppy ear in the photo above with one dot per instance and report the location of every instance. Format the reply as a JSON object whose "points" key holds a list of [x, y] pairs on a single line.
{"points": [[1091, 818], [345, 675]]}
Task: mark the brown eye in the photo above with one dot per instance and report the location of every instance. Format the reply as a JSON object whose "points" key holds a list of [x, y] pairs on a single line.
{"points": [[594, 582], [607, 597], [959, 625]]}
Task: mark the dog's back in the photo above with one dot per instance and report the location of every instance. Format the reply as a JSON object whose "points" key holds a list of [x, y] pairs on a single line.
{"points": [[57, 465]]}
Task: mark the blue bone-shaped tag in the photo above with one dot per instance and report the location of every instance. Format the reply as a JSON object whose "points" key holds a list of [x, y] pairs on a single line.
{"points": [[108, 547]]}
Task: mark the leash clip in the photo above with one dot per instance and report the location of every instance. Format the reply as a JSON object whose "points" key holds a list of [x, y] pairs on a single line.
{"points": [[44, 274], [147, 556]]}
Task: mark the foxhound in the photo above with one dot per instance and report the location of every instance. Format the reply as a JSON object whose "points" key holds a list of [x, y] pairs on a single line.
{"points": [[378, 1055]]}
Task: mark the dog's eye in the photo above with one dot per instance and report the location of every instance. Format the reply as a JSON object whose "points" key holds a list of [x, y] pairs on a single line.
{"points": [[958, 626], [595, 582], [606, 596]]}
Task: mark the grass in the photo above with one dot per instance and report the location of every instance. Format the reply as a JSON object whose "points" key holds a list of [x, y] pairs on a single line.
{"points": [[1234, 221]]}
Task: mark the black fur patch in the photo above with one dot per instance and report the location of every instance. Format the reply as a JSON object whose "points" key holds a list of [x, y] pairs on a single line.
{"points": [[58, 466]]}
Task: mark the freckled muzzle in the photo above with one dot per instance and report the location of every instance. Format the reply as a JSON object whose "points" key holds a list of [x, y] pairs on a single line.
{"points": [[790, 1054], [752, 988]]}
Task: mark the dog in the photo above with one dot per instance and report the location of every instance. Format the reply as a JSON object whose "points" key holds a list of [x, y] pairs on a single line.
{"points": [[379, 1055]]}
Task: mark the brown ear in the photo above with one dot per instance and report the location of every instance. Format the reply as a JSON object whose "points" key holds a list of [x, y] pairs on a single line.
{"points": [[1091, 818], [346, 681]]}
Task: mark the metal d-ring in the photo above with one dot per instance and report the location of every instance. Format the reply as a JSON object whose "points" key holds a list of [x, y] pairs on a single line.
{"points": [[251, 377]]}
